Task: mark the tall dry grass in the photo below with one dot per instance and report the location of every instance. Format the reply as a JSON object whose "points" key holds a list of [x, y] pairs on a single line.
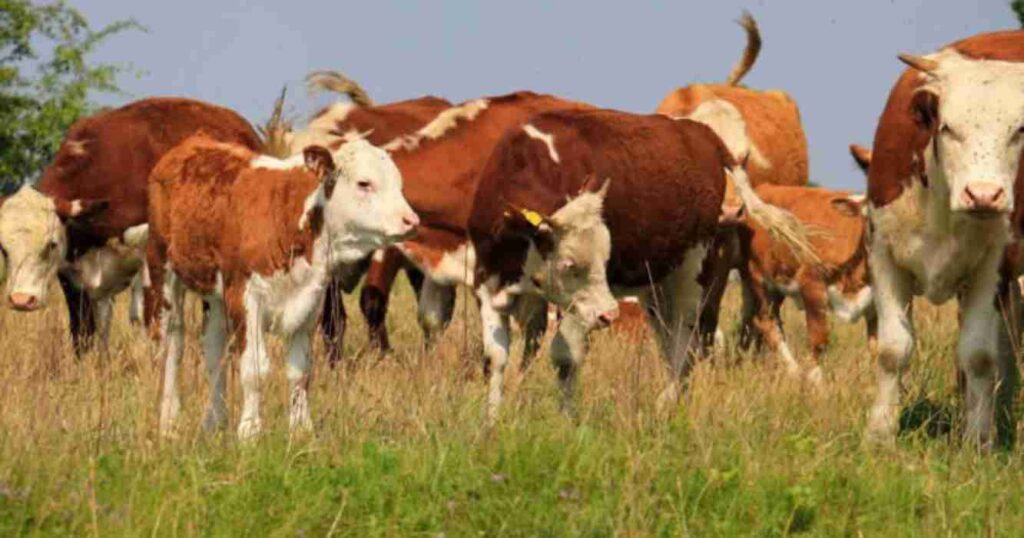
{"points": [[399, 447]]}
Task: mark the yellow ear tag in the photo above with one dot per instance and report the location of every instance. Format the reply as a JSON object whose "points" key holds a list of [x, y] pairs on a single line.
{"points": [[532, 217]]}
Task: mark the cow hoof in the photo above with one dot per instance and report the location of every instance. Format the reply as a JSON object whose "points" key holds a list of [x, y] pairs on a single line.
{"points": [[249, 429], [816, 376]]}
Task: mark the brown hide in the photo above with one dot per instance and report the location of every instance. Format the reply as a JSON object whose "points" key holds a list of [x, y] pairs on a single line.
{"points": [[211, 212], [388, 121], [899, 137], [840, 244], [441, 175], [773, 125], [667, 184], [110, 155]]}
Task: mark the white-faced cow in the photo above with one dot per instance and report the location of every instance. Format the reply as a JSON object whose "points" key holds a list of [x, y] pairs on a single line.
{"points": [[541, 226], [385, 125], [85, 220], [258, 238], [943, 182]]}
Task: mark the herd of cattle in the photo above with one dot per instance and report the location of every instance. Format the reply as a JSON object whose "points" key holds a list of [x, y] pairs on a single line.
{"points": [[529, 200]]}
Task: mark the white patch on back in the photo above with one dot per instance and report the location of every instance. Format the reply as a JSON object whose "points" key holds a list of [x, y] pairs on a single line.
{"points": [[727, 122], [445, 121], [273, 163], [547, 138], [320, 129]]}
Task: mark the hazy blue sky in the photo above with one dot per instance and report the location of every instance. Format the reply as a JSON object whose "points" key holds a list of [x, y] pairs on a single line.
{"points": [[837, 58]]}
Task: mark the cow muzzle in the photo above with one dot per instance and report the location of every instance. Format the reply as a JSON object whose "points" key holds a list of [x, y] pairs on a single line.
{"points": [[984, 199], [24, 302]]}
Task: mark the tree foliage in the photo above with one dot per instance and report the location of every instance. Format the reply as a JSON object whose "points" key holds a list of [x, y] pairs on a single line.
{"points": [[46, 80], [1018, 8]]}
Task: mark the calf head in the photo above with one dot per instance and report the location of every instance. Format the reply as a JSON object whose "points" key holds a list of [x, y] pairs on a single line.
{"points": [[971, 113], [361, 199], [33, 239], [568, 256]]}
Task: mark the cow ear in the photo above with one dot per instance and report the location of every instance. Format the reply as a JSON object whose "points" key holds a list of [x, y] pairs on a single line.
{"points": [[319, 161], [79, 209], [925, 108], [862, 156], [850, 206]]}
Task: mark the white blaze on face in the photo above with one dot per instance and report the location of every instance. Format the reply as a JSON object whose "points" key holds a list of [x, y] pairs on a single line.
{"points": [[34, 243], [573, 274], [977, 147], [366, 210]]}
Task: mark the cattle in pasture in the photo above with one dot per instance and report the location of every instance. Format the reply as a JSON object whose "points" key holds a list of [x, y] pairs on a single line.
{"points": [[386, 125], [541, 227], [943, 183], [85, 219], [259, 238]]}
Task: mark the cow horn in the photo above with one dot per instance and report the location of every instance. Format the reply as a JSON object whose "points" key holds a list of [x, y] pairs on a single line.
{"points": [[925, 65]]}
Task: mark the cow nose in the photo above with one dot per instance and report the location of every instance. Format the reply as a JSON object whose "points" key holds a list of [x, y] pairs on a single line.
{"points": [[411, 221], [984, 197], [606, 318], [731, 214], [24, 301]]}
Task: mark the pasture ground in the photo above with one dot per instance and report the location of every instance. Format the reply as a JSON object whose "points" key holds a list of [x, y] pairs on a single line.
{"points": [[399, 450]]}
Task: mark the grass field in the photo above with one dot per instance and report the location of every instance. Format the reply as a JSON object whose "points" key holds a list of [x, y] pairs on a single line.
{"points": [[399, 448]]}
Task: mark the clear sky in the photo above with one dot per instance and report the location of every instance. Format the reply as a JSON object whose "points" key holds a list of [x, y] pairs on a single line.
{"points": [[837, 58]]}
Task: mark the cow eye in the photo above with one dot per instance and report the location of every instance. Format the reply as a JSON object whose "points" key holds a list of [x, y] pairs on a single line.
{"points": [[365, 185], [51, 245]]}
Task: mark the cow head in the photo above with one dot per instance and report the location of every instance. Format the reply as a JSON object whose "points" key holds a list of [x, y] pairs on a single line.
{"points": [[568, 257], [34, 241], [972, 113], [361, 199]]}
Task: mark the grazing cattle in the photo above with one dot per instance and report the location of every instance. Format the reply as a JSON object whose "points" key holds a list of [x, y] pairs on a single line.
{"points": [[258, 238], [85, 218], [837, 281], [384, 125], [540, 227], [943, 183], [440, 164]]}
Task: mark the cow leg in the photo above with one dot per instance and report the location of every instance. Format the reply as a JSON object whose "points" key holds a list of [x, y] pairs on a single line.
{"points": [[494, 324], [81, 316], [815, 298], [715, 278], [215, 330], [750, 337], [892, 292], [373, 299], [672, 309], [254, 365], [333, 321], [568, 349], [104, 317], [978, 353], [436, 306], [768, 322], [871, 327], [299, 378], [172, 336], [135, 307], [531, 312]]}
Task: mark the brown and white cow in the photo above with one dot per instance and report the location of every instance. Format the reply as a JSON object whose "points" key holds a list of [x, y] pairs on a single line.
{"points": [[942, 185], [385, 125], [259, 238], [837, 281], [85, 218], [540, 226]]}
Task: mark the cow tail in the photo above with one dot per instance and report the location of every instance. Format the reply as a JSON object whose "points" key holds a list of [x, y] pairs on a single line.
{"points": [[782, 225]]}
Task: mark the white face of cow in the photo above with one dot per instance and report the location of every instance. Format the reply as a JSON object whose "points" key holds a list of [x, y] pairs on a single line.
{"points": [[568, 262], [975, 110], [34, 243], [365, 208]]}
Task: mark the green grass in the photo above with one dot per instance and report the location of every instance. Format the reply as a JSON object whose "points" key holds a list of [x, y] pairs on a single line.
{"points": [[399, 448]]}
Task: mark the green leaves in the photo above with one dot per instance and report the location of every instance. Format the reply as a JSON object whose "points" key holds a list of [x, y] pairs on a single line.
{"points": [[46, 81]]}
